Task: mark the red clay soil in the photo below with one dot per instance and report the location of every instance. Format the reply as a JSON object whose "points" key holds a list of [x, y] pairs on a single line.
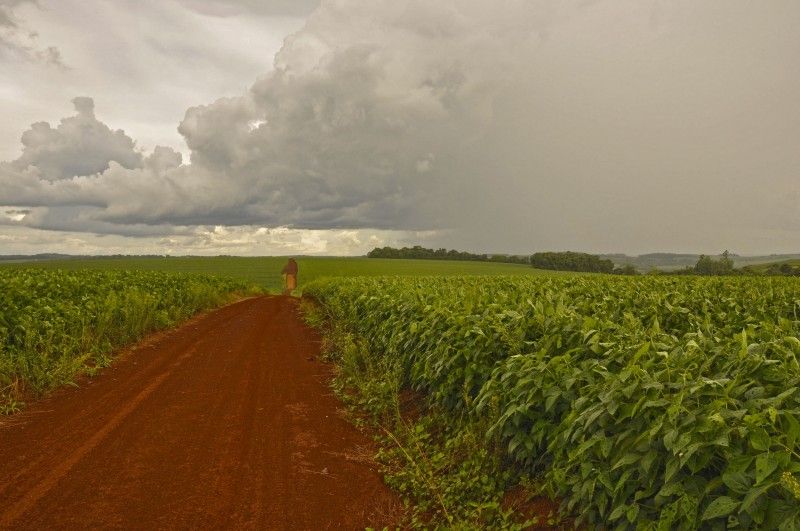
{"points": [[226, 422], [539, 510]]}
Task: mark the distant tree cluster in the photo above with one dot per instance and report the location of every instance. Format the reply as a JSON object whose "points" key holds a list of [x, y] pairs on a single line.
{"points": [[708, 266], [627, 269], [786, 270], [588, 263], [421, 253], [572, 261]]}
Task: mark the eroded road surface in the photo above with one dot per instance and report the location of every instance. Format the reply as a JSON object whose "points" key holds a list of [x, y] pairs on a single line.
{"points": [[226, 422]]}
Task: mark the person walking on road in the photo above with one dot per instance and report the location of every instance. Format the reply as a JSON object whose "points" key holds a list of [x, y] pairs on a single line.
{"points": [[290, 276]]}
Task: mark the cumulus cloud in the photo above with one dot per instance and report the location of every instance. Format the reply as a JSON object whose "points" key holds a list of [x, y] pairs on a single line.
{"points": [[79, 145], [205, 240], [594, 125], [163, 159]]}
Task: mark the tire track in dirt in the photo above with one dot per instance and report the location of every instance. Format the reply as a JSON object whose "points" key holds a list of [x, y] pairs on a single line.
{"points": [[226, 422]]}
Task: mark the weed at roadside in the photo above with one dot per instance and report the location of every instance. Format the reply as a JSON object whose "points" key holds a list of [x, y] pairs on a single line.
{"points": [[445, 471]]}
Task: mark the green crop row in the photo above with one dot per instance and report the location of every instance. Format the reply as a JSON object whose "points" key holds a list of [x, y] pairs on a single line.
{"points": [[56, 324], [646, 403]]}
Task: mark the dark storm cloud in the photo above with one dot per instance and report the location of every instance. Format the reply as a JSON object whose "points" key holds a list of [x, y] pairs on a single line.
{"points": [[81, 219], [608, 125]]}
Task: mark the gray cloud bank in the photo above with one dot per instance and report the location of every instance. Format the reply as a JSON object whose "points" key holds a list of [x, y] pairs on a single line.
{"points": [[607, 125], [224, 8], [19, 41]]}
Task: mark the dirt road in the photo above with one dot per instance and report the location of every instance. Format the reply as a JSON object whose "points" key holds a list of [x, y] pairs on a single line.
{"points": [[226, 422]]}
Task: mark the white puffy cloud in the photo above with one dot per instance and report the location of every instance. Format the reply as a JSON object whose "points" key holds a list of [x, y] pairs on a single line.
{"points": [[79, 145], [144, 61]]}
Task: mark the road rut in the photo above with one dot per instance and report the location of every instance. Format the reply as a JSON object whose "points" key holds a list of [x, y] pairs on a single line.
{"points": [[225, 422]]}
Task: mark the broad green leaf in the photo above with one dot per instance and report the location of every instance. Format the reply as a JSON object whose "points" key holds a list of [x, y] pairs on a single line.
{"points": [[719, 507], [738, 482], [759, 439], [765, 465]]}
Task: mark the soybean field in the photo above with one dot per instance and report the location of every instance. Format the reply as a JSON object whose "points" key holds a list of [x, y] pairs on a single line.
{"points": [[57, 324], [265, 271], [638, 403]]}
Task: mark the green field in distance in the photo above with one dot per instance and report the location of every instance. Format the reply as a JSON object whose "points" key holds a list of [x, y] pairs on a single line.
{"points": [[266, 271]]}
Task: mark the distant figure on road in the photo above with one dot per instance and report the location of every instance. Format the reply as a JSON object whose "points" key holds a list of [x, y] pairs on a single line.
{"points": [[290, 276]]}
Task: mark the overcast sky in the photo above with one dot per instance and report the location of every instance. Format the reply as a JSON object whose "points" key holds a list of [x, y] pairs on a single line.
{"points": [[290, 126]]}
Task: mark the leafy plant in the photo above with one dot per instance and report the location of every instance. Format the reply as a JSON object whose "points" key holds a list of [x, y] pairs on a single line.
{"points": [[57, 324], [648, 403]]}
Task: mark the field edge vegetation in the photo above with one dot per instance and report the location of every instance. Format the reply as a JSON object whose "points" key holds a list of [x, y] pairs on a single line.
{"points": [[449, 474], [56, 326], [642, 403]]}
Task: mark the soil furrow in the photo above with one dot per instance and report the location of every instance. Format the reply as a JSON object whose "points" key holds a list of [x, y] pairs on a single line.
{"points": [[226, 422]]}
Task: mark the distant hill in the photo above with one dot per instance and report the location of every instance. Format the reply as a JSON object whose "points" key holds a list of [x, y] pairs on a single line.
{"points": [[46, 257], [645, 262], [762, 267], [672, 261], [34, 257]]}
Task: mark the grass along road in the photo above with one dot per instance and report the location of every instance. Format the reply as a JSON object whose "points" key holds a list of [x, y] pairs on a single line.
{"points": [[226, 422]]}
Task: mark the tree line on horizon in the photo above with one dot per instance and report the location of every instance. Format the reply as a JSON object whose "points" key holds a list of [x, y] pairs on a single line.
{"points": [[582, 262], [554, 261], [421, 253]]}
